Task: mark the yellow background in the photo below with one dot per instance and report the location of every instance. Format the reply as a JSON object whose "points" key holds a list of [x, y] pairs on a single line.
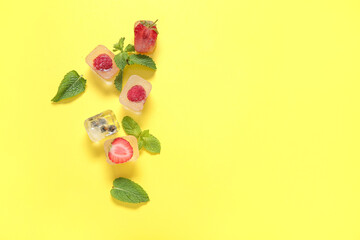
{"points": [[256, 104]]}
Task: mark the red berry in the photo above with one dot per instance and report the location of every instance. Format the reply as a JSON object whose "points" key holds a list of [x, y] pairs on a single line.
{"points": [[136, 94], [103, 62], [145, 36], [120, 151]]}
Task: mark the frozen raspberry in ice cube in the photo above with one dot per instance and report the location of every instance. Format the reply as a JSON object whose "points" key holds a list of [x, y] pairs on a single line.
{"points": [[101, 60], [135, 93]]}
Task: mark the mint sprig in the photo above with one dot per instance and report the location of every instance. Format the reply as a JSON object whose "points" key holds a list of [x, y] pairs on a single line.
{"points": [[119, 46], [121, 60], [128, 56], [145, 139], [127, 191], [130, 48], [72, 85]]}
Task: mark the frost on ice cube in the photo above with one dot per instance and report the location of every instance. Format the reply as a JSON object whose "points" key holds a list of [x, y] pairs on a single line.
{"points": [[101, 125], [101, 60], [135, 93], [121, 149]]}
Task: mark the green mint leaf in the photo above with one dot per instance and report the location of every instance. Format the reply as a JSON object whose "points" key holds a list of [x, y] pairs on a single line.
{"points": [[152, 144], [130, 48], [145, 139], [140, 143], [142, 60], [131, 127], [120, 45], [72, 85], [145, 133], [121, 60], [118, 81], [127, 191]]}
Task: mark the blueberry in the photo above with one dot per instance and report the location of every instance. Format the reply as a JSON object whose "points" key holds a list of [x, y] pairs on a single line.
{"points": [[103, 129], [112, 128]]}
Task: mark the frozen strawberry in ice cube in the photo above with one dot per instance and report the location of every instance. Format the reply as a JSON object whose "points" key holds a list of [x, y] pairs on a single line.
{"points": [[101, 60], [145, 36], [135, 93], [121, 149]]}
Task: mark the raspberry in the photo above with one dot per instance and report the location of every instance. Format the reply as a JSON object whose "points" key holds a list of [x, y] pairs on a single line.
{"points": [[136, 94], [103, 62]]}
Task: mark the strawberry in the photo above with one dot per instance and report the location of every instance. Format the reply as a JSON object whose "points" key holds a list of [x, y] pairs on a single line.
{"points": [[145, 36], [120, 151]]}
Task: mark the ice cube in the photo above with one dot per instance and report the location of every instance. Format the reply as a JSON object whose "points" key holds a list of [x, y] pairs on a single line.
{"points": [[101, 125], [101, 60], [135, 93], [121, 150]]}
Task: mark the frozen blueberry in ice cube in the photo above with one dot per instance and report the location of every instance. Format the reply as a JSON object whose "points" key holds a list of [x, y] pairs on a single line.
{"points": [[97, 127]]}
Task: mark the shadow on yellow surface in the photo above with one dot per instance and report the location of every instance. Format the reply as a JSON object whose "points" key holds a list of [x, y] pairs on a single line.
{"points": [[127, 205]]}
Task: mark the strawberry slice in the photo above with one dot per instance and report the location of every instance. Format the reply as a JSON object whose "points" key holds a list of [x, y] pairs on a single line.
{"points": [[120, 151], [145, 36]]}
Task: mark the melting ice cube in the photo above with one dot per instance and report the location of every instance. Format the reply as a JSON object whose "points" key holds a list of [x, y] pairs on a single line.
{"points": [[101, 125]]}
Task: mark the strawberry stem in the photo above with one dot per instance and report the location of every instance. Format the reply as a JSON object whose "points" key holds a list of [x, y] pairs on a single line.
{"points": [[154, 23], [153, 26]]}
